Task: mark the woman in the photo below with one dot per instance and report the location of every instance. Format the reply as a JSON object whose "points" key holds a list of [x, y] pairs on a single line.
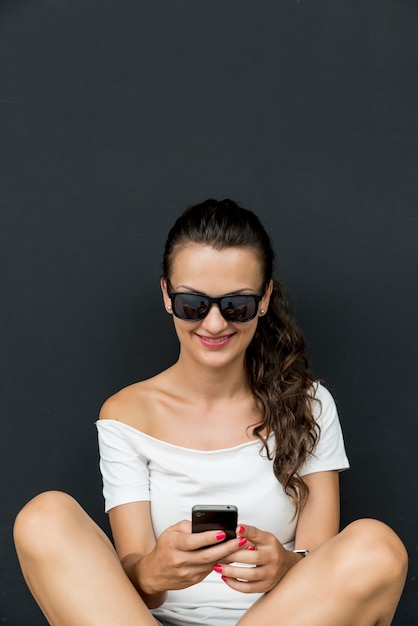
{"points": [[239, 420]]}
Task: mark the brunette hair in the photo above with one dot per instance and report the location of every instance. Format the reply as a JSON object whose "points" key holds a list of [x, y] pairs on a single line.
{"points": [[277, 368]]}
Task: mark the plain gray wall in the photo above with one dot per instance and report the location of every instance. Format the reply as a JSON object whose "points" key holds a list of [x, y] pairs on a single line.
{"points": [[114, 116]]}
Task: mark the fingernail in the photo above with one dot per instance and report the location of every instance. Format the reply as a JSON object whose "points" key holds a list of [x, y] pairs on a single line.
{"points": [[217, 568], [224, 578], [250, 548], [241, 530], [242, 542], [221, 535]]}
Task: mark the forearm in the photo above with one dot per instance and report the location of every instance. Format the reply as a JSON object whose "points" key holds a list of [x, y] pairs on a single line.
{"points": [[135, 568], [290, 559]]}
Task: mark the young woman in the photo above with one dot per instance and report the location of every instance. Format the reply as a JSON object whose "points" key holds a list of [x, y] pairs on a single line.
{"points": [[237, 420]]}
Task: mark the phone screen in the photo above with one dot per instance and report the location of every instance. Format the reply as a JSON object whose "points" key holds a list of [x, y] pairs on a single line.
{"points": [[215, 517]]}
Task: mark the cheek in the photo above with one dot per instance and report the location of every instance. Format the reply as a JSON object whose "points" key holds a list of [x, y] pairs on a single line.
{"points": [[250, 332], [183, 328]]}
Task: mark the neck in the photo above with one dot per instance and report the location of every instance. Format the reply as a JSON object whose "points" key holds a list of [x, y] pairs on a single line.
{"points": [[212, 383]]}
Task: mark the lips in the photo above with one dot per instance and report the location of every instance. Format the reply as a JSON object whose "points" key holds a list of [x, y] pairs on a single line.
{"points": [[215, 341]]}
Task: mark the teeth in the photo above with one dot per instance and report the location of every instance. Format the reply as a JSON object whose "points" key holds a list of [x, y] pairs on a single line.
{"points": [[218, 340]]}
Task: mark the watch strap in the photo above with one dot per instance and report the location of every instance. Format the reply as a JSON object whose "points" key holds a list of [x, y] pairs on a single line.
{"points": [[302, 552]]}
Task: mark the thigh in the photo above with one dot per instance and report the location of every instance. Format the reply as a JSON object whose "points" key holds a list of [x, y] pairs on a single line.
{"points": [[71, 567], [356, 577]]}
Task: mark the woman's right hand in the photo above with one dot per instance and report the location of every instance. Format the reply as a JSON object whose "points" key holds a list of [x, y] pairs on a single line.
{"points": [[181, 558]]}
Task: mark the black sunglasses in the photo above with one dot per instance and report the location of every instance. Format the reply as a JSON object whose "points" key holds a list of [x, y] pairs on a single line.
{"points": [[193, 307]]}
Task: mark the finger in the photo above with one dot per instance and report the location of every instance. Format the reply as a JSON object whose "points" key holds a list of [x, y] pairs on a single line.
{"points": [[244, 572], [245, 580], [247, 555], [206, 539], [251, 533], [220, 552], [231, 546], [244, 586], [186, 540]]}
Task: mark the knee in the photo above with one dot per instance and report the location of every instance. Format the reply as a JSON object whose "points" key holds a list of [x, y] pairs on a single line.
{"points": [[375, 553], [40, 520]]}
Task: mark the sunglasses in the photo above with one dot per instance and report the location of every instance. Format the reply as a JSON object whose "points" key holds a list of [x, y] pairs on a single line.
{"points": [[194, 307]]}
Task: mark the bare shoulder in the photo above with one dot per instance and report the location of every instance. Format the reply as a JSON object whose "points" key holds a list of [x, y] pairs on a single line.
{"points": [[137, 404], [121, 402]]}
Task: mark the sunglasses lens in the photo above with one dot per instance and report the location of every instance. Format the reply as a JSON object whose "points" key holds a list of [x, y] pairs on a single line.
{"points": [[238, 308], [235, 308], [190, 306]]}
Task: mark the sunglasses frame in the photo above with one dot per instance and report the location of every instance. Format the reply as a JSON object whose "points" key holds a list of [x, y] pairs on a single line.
{"points": [[256, 296]]}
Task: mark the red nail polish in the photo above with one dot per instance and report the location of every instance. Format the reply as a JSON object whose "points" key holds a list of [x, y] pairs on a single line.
{"points": [[242, 542], [221, 535], [250, 548], [241, 530], [217, 568], [224, 578]]}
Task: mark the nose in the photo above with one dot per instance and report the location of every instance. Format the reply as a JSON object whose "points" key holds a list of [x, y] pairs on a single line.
{"points": [[214, 323]]}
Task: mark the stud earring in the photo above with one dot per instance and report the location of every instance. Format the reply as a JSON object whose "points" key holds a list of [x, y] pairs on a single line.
{"points": [[262, 311], [168, 307]]}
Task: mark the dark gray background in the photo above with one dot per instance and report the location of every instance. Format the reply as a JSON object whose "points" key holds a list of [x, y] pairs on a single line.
{"points": [[117, 115]]}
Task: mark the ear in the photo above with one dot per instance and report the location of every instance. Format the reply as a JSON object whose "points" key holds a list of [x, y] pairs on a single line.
{"points": [[166, 298], [264, 303]]}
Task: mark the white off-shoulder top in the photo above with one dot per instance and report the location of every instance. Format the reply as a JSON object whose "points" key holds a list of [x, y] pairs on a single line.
{"points": [[137, 467]]}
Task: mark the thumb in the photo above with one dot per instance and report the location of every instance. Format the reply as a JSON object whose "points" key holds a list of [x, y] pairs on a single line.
{"points": [[184, 526]]}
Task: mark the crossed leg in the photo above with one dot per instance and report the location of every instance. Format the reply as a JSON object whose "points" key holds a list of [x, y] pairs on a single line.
{"points": [[71, 567], [354, 579], [72, 570]]}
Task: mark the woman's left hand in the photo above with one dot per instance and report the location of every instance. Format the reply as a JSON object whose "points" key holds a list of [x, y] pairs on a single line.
{"points": [[264, 560]]}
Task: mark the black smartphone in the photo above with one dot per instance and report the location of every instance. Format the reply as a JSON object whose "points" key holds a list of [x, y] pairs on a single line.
{"points": [[215, 517]]}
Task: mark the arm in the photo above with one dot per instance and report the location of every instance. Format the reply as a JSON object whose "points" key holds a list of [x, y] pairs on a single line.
{"points": [[319, 519], [134, 538], [177, 560], [154, 566], [131, 523]]}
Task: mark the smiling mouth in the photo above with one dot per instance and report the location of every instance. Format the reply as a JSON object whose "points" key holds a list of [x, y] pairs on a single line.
{"points": [[215, 339]]}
